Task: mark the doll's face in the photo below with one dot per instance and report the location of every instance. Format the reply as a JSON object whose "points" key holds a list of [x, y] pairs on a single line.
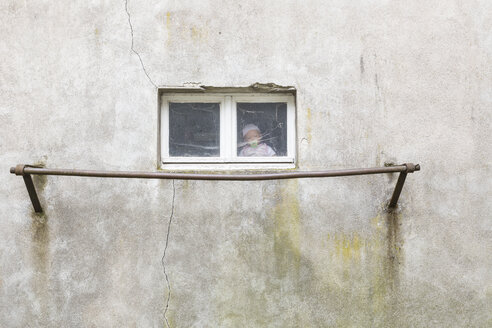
{"points": [[252, 136]]}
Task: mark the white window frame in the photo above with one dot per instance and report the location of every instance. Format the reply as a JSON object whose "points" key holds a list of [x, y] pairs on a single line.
{"points": [[228, 158]]}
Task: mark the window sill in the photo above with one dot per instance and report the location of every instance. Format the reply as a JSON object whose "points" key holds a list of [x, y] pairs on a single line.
{"points": [[217, 167]]}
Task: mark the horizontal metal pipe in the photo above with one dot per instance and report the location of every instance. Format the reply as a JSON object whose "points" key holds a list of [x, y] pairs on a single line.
{"points": [[24, 169]]}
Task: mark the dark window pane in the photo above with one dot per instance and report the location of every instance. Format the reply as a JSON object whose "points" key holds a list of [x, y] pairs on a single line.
{"points": [[194, 129], [262, 129]]}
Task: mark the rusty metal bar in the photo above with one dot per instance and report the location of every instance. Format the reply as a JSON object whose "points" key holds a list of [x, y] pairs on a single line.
{"points": [[198, 176], [397, 191], [32, 193], [26, 170]]}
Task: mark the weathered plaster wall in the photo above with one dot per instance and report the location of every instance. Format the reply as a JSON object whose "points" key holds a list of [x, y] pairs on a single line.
{"points": [[377, 81]]}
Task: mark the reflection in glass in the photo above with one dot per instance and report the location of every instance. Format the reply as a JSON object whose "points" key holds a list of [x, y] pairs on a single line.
{"points": [[194, 129], [262, 129]]}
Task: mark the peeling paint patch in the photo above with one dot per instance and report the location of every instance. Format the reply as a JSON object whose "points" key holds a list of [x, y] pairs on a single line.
{"points": [[255, 87]]}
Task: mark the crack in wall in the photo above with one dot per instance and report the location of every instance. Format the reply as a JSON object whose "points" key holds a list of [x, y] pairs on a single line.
{"points": [[133, 49], [164, 255]]}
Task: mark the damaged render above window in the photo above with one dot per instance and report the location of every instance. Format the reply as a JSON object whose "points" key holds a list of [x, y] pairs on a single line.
{"points": [[227, 127]]}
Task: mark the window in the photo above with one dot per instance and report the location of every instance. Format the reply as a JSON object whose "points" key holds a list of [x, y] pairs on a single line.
{"points": [[227, 130]]}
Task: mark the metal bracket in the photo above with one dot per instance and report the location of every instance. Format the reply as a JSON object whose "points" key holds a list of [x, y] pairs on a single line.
{"points": [[401, 181], [19, 170]]}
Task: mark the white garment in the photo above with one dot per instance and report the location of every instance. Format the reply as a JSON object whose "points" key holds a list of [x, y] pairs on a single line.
{"points": [[261, 150]]}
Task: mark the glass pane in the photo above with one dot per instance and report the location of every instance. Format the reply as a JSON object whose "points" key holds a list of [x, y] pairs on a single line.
{"points": [[194, 129], [262, 129]]}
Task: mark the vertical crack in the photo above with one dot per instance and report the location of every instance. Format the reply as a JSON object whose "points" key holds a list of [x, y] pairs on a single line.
{"points": [[164, 255], [133, 49]]}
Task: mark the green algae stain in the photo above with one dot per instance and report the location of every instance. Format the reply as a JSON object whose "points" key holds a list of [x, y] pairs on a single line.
{"points": [[348, 246], [40, 241], [185, 184], [40, 257], [385, 294], [263, 269], [308, 125], [361, 273], [268, 281], [199, 34], [168, 20], [286, 216], [394, 243], [168, 27], [171, 320], [40, 181]]}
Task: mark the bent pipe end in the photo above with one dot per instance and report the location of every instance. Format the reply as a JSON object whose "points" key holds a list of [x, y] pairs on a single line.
{"points": [[412, 167], [18, 169]]}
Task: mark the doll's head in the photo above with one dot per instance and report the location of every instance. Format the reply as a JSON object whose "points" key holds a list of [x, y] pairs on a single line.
{"points": [[251, 135]]}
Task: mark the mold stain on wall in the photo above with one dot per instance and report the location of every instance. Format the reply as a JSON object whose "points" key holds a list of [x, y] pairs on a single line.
{"points": [[168, 27], [348, 247], [351, 275], [362, 68], [199, 33], [286, 218], [361, 272], [264, 263], [394, 248], [355, 276], [308, 125], [40, 244]]}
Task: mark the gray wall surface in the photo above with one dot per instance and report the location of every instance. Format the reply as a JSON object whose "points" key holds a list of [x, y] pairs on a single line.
{"points": [[377, 81]]}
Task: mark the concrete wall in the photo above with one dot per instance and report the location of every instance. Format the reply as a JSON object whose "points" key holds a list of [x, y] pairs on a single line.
{"points": [[377, 81]]}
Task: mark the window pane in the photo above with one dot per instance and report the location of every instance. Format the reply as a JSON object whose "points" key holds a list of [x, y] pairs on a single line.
{"points": [[194, 129], [262, 129]]}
